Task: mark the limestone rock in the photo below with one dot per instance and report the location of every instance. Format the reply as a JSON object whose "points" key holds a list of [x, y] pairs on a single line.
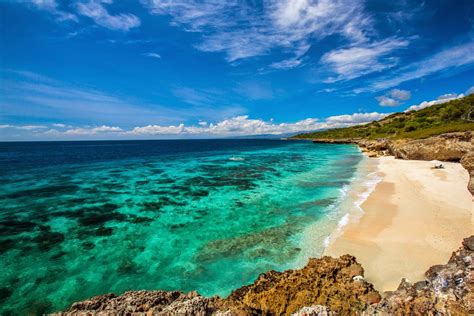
{"points": [[326, 281], [468, 163], [447, 290], [445, 147]]}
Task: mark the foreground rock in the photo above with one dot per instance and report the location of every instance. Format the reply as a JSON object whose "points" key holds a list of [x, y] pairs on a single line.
{"points": [[447, 290], [323, 286], [336, 284]]}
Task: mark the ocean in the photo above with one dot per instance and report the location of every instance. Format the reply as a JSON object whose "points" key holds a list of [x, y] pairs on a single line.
{"points": [[80, 219]]}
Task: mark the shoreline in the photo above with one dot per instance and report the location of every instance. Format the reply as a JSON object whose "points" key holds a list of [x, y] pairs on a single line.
{"points": [[411, 220]]}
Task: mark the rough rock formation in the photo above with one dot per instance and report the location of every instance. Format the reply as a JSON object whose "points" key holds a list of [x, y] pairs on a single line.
{"points": [[325, 286], [145, 302], [445, 147], [336, 284], [447, 290], [457, 147], [467, 162]]}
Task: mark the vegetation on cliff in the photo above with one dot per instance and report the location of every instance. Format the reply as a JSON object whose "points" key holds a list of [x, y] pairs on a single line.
{"points": [[434, 120]]}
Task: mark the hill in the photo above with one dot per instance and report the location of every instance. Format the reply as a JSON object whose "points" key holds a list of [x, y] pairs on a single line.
{"points": [[453, 116]]}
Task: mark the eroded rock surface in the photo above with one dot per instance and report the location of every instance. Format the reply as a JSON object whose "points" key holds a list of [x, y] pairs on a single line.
{"points": [[325, 286], [445, 147], [335, 284], [447, 290], [467, 162], [327, 281], [458, 147]]}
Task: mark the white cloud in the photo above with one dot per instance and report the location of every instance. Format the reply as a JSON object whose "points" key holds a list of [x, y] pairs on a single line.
{"points": [[449, 58], [153, 55], [356, 61], [356, 118], [93, 130], [243, 125], [286, 64], [24, 127], [440, 100], [235, 126], [387, 101], [52, 7], [394, 97], [95, 10], [398, 94], [470, 91], [242, 30]]}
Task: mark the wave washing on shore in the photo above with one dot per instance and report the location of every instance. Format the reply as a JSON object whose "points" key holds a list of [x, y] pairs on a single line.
{"points": [[86, 218], [347, 208]]}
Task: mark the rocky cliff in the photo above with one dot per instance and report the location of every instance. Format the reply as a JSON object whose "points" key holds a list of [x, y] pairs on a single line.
{"points": [[457, 147], [323, 286]]}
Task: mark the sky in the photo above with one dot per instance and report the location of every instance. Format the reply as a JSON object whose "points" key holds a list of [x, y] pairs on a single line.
{"points": [[152, 69]]}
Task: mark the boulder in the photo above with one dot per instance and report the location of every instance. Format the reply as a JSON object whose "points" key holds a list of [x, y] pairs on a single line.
{"points": [[467, 162]]}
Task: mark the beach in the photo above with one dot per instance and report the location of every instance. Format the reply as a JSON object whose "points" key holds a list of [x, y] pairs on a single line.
{"points": [[412, 219]]}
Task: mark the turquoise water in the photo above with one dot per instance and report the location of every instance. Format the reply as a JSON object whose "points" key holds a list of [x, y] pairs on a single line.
{"points": [[87, 218]]}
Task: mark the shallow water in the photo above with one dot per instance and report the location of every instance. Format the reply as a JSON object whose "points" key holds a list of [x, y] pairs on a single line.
{"points": [[85, 218]]}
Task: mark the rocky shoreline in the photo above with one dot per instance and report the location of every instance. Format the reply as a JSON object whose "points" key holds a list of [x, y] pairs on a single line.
{"points": [[456, 147], [329, 285], [324, 286]]}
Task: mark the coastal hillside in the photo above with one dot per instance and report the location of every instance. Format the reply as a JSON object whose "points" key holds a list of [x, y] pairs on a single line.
{"points": [[453, 116]]}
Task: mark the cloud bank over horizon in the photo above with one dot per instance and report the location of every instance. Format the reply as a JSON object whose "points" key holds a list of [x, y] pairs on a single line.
{"points": [[232, 127]]}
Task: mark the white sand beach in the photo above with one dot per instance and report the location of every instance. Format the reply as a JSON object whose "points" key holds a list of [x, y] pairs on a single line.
{"points": [[415, 218]]}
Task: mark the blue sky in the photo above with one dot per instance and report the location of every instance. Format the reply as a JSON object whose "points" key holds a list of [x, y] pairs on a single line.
{"points": [[104, 69]]}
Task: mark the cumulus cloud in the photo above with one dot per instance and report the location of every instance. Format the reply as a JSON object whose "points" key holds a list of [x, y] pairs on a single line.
{"points": [[93, 130], [394, 97], [470, 91], [387, 101], [243, 125], [242, 29], [398, 94], [96, 10], [440, 100]]}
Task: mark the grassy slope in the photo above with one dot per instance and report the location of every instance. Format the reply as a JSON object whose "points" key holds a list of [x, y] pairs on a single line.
{"points": [[434, 120]]}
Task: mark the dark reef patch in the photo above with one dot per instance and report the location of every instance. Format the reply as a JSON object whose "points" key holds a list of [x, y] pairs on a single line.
{"points": [[162, 202], [139, 220], [98, 215], [43, 192], [104, 231], [88, 245], [5, 292], [6, 244], [47, 239], [14, 227]]}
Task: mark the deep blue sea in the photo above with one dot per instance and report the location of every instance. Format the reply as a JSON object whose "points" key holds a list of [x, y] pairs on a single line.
{"points": [[78, 219]]}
